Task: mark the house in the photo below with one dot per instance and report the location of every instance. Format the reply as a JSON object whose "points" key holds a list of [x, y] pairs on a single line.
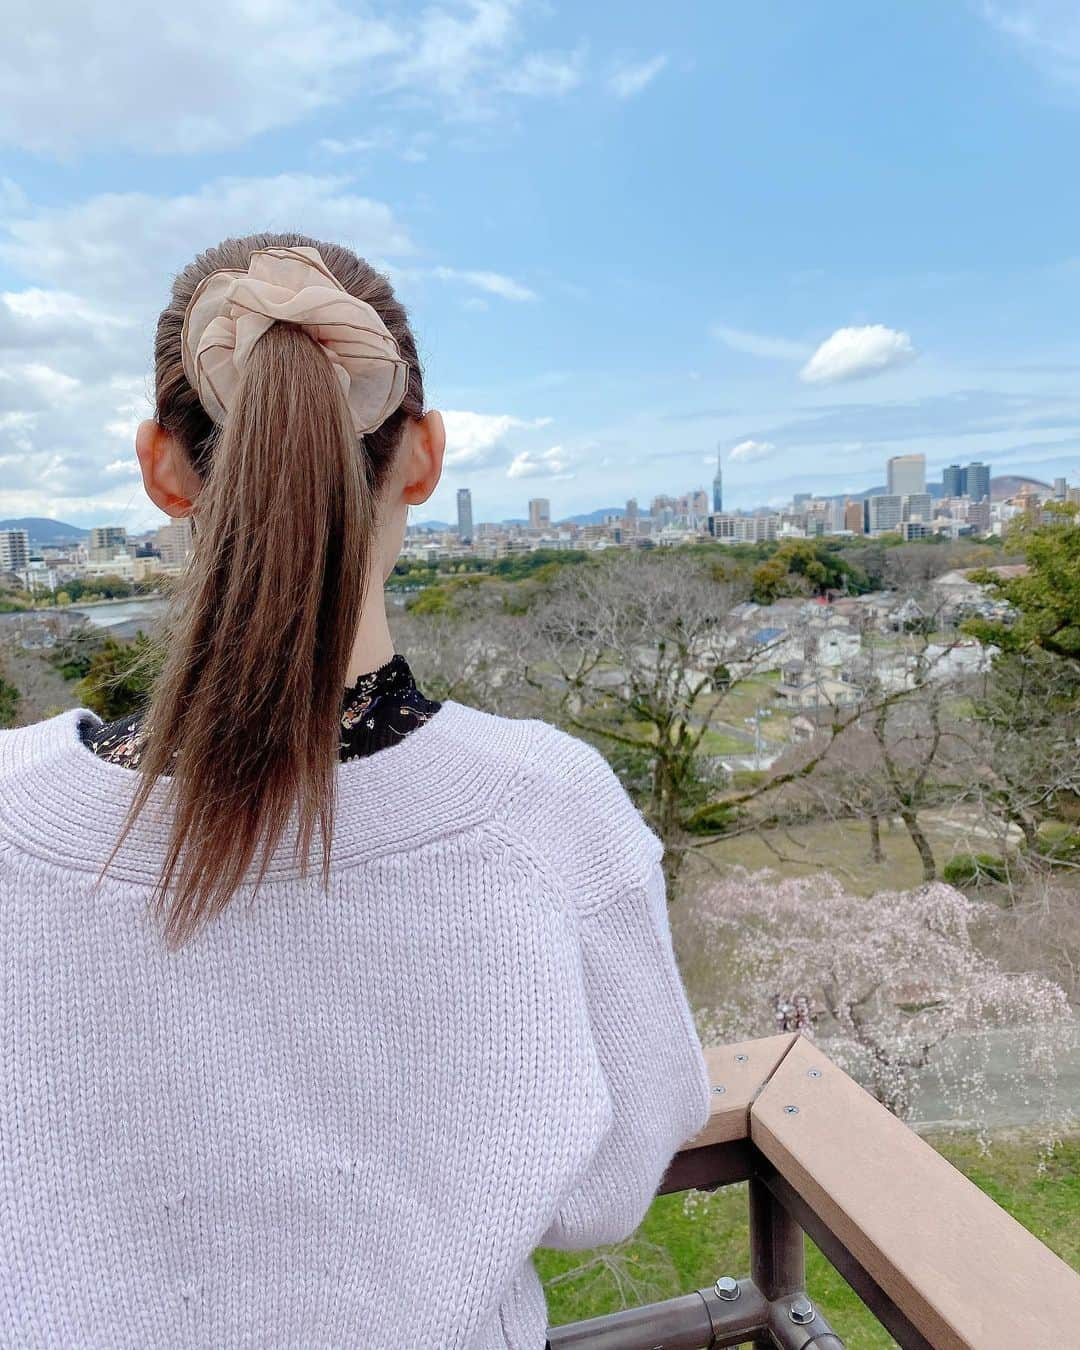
{"points": [[836, 646], [811, 723], [802, 688]]}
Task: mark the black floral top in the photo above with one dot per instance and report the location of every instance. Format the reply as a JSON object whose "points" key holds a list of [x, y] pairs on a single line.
{"points": [[377, 710]]}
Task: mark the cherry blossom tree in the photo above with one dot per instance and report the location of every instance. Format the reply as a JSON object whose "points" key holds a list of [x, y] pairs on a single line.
{"points": [[896, 986]]}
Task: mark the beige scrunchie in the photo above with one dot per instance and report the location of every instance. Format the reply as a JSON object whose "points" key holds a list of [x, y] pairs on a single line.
{"points": [[231, 310]]}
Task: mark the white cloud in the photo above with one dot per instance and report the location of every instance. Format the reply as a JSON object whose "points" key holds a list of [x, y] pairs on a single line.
{"points": [[229, 70], [750, 450], [758, 344], [478, 440], [223, 72], [124, 246], [1047, 33], [492, 282], [413, 148], [854, 353], [126, 468], [356, 145], [545, 73], [630, 78], [37, 318], [551, 463], [33, 386]]}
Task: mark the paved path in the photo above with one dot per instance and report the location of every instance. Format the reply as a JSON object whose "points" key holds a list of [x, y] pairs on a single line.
{"points": [[1007, 1105]]}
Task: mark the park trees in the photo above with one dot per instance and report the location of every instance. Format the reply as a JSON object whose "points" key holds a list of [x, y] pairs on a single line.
{"points": [[1025, 732], [803, 567], [634, 652], [1045, 600], [119, 676], [897, 985], [462, 640]]}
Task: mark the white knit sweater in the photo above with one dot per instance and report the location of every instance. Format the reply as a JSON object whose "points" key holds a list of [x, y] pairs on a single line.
{"points": [[344, 1119]]}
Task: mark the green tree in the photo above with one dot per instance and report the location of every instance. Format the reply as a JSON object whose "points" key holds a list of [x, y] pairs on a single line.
{"points": [[1045, 601], [804, 567], [119, 677], [9, 702]]}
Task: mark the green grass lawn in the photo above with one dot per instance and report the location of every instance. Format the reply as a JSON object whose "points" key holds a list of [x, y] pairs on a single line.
{"points": [[676, 1251], [718, 741], [843, 848]]}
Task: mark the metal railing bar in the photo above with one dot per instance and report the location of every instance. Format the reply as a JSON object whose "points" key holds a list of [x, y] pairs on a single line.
{"points": [[806, 1331], [698, 1321], [706, 1320], [777, 1251], [892, 1318]]}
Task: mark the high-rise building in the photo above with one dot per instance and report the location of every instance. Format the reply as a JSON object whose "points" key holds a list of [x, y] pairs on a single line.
{"points": [[539, 513], [755, 529], [952, 481], [718, 484], [106, 541], [906, 474], [14, 550], [722, 525], [630, 518], [914, 529], [853, 517], [978, 516], [801, 500], [977, 481], [174, 541], [917, 506], [1061, 488], [883, 512], [464, 516]]}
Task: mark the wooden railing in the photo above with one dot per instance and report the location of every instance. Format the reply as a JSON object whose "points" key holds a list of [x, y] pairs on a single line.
{"points": [[935, 1260]]}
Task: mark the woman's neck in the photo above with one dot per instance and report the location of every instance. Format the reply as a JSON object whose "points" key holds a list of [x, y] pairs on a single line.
{"points": [[373, 646]]}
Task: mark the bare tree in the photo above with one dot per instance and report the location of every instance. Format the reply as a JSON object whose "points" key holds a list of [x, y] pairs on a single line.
{"points": [[467, 649], [1026, 737], [902, 750], [636, 652]]}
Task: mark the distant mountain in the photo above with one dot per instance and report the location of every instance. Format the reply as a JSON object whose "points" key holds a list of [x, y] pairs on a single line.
{"points": [[934, 489], [585, 518], [42, 530], [1009, 484], [596, 517]]}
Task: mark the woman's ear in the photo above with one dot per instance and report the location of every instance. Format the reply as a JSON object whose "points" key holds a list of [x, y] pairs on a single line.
{"points": [[427, 446], [166, 474]]}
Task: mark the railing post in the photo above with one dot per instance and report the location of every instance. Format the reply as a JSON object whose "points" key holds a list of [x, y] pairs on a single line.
{"points": [[777, 1258]]}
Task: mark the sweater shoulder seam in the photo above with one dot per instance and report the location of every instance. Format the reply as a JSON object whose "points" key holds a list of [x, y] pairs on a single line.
{"points": [[643, 852]]}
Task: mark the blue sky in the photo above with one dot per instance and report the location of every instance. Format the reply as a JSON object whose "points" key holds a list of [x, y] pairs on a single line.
{"points": [[810, 235]]}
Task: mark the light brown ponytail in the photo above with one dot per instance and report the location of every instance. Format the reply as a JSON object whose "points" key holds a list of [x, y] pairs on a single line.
{"points": [[244, 715]]}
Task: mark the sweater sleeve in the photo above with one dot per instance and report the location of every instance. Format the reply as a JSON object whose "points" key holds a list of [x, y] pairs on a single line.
{"points": [[651, 1057]]}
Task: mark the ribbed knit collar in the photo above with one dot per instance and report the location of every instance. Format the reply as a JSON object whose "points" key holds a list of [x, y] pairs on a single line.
{"points": [[61, 802]]}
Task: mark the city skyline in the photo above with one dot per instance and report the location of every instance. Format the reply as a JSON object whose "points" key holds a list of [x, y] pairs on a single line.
{"points": [[971, 481]]}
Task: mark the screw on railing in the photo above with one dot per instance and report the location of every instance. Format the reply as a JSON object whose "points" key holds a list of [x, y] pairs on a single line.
{"points": [[719, 1090], [801, 1311], [791, 1110], [727, 1289]]}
